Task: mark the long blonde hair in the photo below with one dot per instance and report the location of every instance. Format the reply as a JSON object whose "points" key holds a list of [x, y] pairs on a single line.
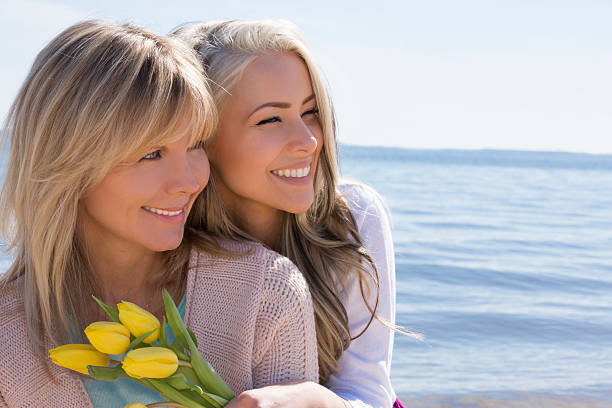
{"points": [[96, 95], [323, 242]]}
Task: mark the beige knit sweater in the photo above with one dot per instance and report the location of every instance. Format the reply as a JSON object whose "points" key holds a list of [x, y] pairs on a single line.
{"points": [[252, 317]]}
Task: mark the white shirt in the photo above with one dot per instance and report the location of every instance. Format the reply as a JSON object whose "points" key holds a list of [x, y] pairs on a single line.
{"points": [[363, 376]]}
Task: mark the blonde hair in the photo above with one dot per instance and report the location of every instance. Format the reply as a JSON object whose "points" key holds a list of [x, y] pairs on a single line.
{"points": [[323, 242], [96, 95]]}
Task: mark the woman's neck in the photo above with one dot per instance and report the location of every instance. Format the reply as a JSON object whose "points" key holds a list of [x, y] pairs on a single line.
{"points": [[127, 274], [264, 226]]}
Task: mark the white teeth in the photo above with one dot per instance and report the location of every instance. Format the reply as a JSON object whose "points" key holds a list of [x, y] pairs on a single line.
{"points": [[293, 173], [162, 212]]}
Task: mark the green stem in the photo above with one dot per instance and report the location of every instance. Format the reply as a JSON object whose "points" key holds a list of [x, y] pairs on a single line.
{"points": [[185, 364], [170, 393], [166, 404], [179, 354]]}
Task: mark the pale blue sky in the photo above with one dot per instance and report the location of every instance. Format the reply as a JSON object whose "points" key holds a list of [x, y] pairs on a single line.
{"points": [[529, 75]]}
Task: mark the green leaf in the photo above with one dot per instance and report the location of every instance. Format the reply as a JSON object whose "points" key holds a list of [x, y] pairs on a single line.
{"points": [[209, 377], [175, 395], [221, 401], [186, 379], [106, 373], [176, 324], [206, 373], [178, 382], [136, 342], [193, 337], [179, 350], [112, 312], [162, 334], [202, 398], [190, 376]]}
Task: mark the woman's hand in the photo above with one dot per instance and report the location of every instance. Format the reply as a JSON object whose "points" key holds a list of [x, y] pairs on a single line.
{"points": [[302, 394]]}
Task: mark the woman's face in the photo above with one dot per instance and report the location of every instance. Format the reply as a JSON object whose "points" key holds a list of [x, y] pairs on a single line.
{"points": [[143, 204], [266, 149]]}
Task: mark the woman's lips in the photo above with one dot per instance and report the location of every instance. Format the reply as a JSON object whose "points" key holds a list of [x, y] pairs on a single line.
{"points": [[173, 215]]}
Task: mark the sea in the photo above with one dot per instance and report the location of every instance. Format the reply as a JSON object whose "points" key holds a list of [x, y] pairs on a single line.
{"points": [[504, 265]]}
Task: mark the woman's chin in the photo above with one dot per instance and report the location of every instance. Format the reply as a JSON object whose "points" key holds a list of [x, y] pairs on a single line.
{"points": [[298, 208], [166, 245]]}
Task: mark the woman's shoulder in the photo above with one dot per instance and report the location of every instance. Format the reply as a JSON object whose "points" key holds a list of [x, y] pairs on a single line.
{"points": [[245, 262], [11, 299], [365, 203], [13, 316]]}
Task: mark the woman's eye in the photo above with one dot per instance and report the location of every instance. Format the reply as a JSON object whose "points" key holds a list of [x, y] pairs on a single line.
{"points": [[312, 111], [152, 156], [273, 119]]}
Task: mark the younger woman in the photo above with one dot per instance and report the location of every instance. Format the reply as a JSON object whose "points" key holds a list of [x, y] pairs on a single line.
{"points": [[105, 163], [275, 165]]}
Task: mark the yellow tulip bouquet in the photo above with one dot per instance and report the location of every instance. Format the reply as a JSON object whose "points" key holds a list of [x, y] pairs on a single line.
{"points": [[177, 371]]}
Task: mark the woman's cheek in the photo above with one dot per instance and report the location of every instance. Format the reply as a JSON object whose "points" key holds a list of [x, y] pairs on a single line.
{"points": [[200, 167]]}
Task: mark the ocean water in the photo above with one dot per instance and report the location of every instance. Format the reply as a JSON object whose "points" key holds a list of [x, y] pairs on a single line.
{"points": [[504, 264]]}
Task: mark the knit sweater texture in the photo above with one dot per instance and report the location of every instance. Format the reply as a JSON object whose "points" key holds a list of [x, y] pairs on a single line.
{"points": [[252, 316]]}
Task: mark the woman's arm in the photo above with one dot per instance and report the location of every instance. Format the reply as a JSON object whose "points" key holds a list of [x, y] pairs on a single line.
{"points": [[285, 347], [301, 394], [363, 376], [285, 350]]}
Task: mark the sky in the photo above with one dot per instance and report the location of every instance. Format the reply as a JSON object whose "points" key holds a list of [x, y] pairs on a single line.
{"points": [[434, 74]]}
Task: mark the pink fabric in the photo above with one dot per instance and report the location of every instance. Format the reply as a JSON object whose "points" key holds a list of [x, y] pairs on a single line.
{"points": [[252, 316], [398, 404]]}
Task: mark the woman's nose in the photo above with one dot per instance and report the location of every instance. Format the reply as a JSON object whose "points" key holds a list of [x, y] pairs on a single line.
{"points": [[189, 175], [303, 139]]}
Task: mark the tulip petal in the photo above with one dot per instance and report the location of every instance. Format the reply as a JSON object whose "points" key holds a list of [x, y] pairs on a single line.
{"points": [[77, 357], [138, 321], [150, 362], [108, 337]]}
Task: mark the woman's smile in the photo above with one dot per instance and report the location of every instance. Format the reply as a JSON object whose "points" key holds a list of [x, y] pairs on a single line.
{"points": [[299, 172], [172, 215]]}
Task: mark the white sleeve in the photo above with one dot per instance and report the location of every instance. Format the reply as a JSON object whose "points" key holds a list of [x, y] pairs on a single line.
{"points": [[363, 376]]}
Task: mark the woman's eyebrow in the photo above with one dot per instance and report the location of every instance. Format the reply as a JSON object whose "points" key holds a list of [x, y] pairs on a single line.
{"points": [[308, 98], [282, 105]]}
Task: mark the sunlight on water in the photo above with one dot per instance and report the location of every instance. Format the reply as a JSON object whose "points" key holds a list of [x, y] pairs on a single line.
{"points": [[504, 263]]}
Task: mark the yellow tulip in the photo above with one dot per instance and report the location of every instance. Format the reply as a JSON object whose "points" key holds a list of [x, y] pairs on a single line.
{"points": [[150, 362], [108, 337], [138, 321], [136, 405], [78, 356]]}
